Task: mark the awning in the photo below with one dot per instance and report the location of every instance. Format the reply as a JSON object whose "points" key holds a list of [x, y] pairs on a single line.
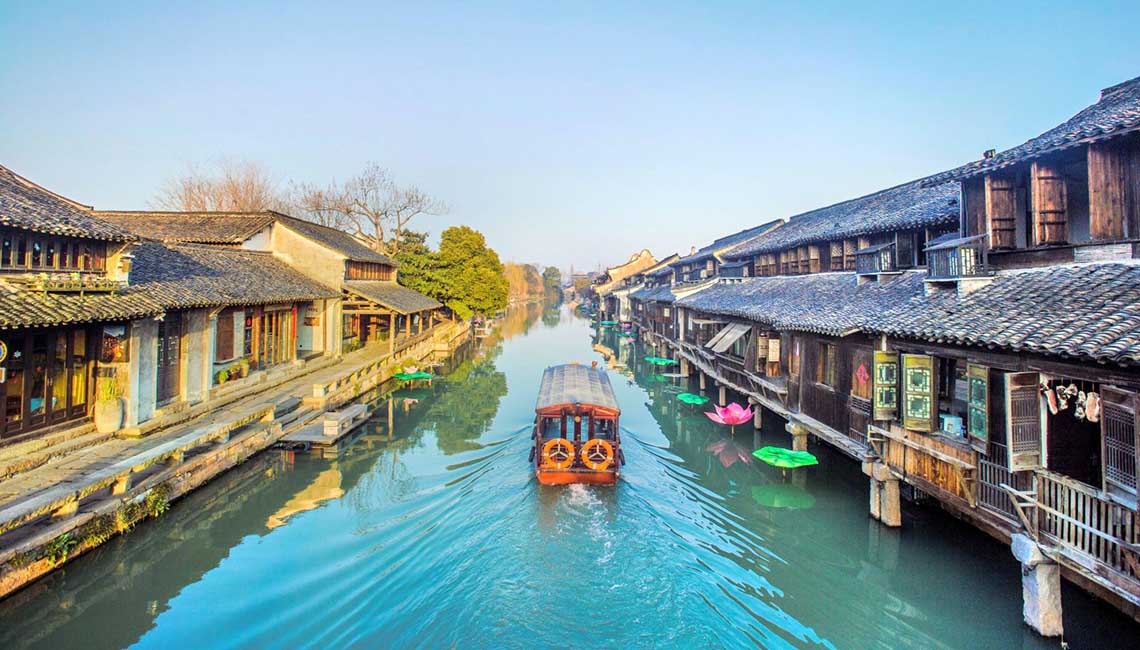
{"points": [[706, 321], [728, 336]]}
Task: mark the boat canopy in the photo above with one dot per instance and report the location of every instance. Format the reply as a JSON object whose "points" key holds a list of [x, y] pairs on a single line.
{"points": [[576, 384]]}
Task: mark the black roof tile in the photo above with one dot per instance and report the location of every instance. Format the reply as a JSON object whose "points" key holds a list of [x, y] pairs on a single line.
{"points": [[27, 206]]}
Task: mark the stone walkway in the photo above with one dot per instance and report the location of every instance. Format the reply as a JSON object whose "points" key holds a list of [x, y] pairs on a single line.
{"points": [[73, 467]]}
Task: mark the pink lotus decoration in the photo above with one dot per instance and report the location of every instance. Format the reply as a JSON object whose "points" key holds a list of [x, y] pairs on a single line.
{"points": [[732, 415]]}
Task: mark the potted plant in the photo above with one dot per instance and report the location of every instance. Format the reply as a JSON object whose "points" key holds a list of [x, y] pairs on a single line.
{"points": [[243, 368], [108, 406], [222, 376]]}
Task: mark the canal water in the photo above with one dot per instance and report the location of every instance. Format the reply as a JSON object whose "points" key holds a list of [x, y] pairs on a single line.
{"points": [[430, 532]]}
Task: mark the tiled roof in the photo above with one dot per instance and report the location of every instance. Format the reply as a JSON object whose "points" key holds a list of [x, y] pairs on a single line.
{"points": [[337, 240], [660, 293], [236, 227], [392, 295], [21, 306], [1117, 112], [824, 303], [916, 204], [182, 276], [190, 227], [727, 242], [1080, 311], [27, 206]]}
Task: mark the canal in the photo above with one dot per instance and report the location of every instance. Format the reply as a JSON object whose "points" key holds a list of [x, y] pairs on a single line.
{"points": [[431, 532]]}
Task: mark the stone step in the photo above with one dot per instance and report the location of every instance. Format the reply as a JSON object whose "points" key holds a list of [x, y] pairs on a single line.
{"points": [[15, 464]]}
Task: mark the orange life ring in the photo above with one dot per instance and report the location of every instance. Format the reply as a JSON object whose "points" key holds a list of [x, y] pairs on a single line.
{"points": [[598, 455], [560, 458]]}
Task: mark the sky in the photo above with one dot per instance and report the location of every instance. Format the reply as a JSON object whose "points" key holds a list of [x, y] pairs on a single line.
{"points": [[574, 134]]}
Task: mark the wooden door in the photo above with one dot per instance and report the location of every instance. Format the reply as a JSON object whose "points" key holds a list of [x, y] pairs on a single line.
{"points": [[168, 367]]}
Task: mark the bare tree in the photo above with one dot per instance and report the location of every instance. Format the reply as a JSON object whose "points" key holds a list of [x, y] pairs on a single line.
{"points": [[226, 185], [317, 204], [370, 206]]}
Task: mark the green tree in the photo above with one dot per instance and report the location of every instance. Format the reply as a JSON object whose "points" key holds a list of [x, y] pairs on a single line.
{"points": [[417, 264], [552, 279], [464, 274]]}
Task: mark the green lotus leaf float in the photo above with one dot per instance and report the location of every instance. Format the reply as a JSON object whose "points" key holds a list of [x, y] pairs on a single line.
{"points": [[660, 361], [784, 496], [627, 335], [409, 376], [691, 398], [785, 458], [609, 323]]}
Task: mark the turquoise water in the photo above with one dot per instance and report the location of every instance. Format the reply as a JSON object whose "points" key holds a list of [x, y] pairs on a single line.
{"points": [[432, 533]]}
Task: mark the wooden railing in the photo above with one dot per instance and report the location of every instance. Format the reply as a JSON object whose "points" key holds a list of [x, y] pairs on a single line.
{"points": [[1076, 517], [961, 258], [876, 259], [933, 465], [991, 477]]}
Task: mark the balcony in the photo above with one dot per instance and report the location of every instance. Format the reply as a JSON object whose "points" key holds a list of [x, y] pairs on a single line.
{"points": [[874, 260], [952, 258]]}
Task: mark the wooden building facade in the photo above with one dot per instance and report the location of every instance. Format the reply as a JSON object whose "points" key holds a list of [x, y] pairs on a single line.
{"points": [[974, 335]]}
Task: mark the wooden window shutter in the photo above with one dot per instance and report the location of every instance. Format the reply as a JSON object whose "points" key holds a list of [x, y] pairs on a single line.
{"points": [[1120, 429], [224, 337], [978, 405], [1023, 420], [974, 206], [1114, 209], [750, 354], [918, 392], [1050, 197], [1001, 211], [886, 385]]}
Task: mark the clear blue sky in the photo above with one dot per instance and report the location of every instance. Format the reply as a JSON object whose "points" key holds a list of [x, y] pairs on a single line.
{"points": [[573, 134]]}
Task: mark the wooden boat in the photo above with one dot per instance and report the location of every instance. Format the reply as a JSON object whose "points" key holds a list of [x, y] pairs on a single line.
{"points": [[576, 437]]}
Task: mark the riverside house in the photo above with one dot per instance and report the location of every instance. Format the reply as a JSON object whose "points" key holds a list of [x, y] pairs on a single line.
{"points": [[615, 279], [972, 338], [373, 309], [90, 310]]}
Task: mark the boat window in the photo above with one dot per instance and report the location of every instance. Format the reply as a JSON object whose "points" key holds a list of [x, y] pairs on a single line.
{"points": [[604, 428], [551, 427]]}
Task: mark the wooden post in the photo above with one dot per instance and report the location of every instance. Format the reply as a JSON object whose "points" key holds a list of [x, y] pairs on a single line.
{"points": [[703, 380], [757, 416], [722, 394], [392, 333]]}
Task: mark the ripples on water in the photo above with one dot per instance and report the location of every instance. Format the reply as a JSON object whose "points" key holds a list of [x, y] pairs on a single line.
{"points": [[434, 534]]}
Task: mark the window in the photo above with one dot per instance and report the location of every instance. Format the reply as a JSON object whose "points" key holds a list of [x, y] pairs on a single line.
{"points": [[918, 394], [886, 385], [978, 405], [247, 335], [113, 348], [826, 366]]}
